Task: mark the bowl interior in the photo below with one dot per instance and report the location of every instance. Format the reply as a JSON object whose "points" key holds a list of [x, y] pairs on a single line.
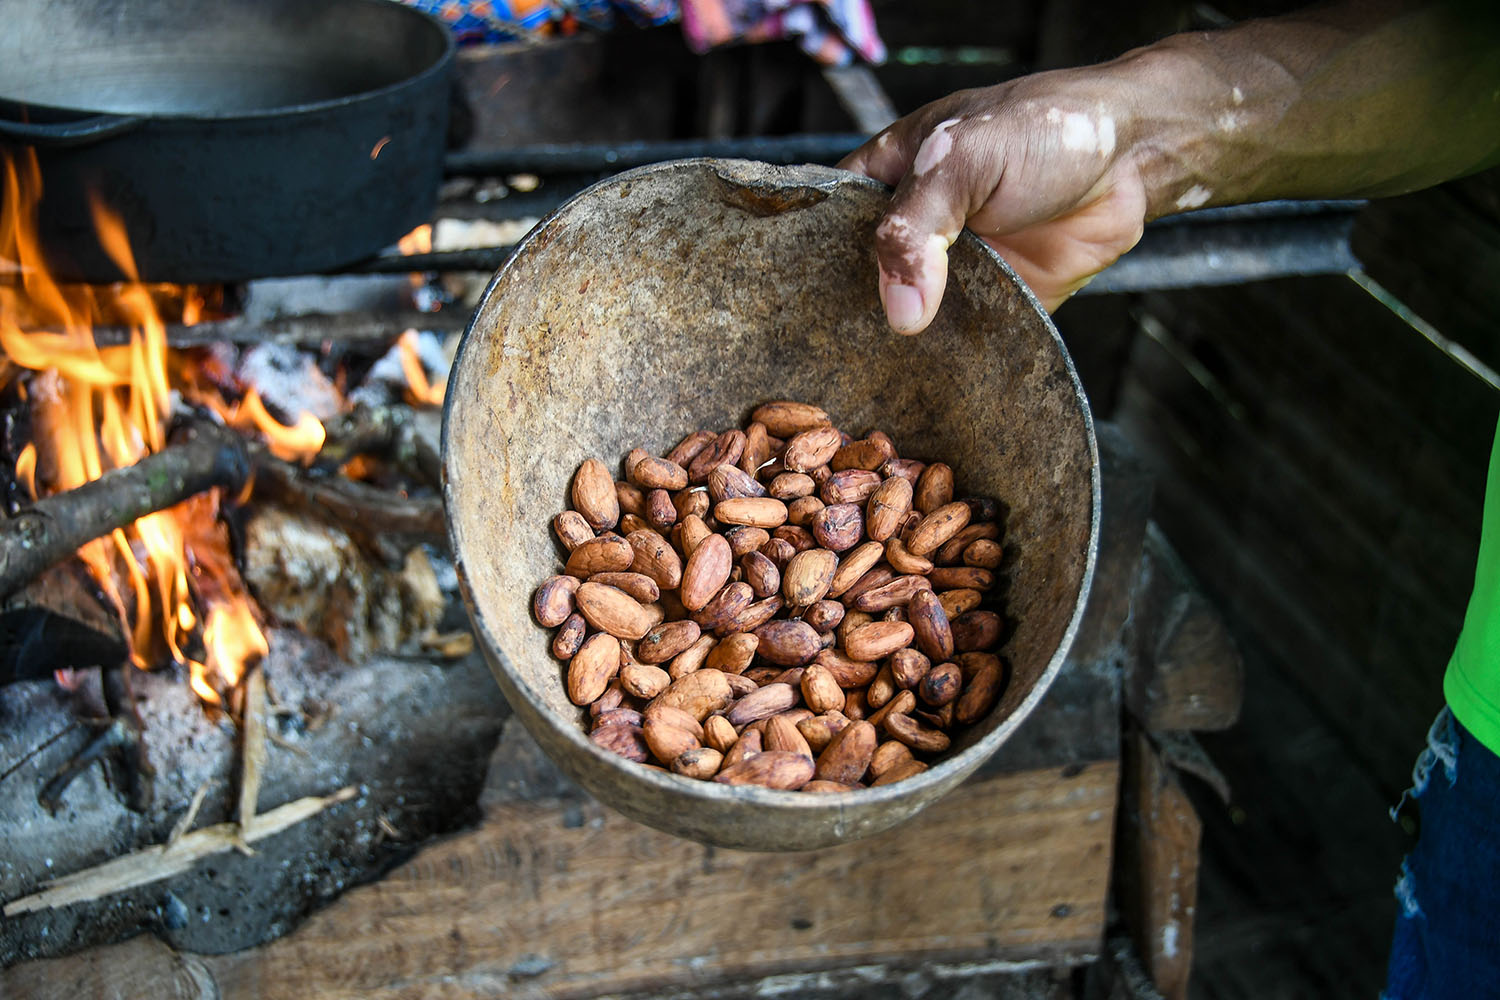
{"points": [[678, 297]]}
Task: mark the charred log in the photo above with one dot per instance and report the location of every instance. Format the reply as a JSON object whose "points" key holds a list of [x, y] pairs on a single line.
{"points": [[58, 620], [387, 431], [357, 507]]}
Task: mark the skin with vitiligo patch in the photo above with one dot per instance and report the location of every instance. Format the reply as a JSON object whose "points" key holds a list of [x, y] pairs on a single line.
{"points": [[1060, 171]]}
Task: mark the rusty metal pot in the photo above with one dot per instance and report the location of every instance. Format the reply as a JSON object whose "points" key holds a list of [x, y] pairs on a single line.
{"points": [[678, 296]]}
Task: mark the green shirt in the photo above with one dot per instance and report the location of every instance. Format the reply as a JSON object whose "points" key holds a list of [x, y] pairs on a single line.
{"points": [[1472, 684]]}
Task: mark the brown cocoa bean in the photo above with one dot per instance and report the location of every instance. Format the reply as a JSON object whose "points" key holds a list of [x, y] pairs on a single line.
{"points": [[733, 653], [791, 486], [553, 601], [744, 539], [770, 769], [980, 694], [800, 538], [839, 526], [761, 574], [666, 741], [934, 489], [902, 704], [747, 746], [855, 564], [820, 689], [849, 486], [903, 561], [571, 529], [887, 508], [941, 685], [936, 528], [654, 557], [613, 697], [807, 577], [908, 667], [651, 473], [698, 693], [724, 450], [818, 730], [693, 658], [781, 734], [757, 448], [847, 756], [976, 631], [617, 717], [690, 447], [824, 616], [701, 763], [809, 449], [757, 512], [801, 512], [908, 469], [569, 636], [887, 755], [869, 453], [779, 551], [718, 732], [666, 640], [706, 572], [956, 602], [896, 593], [984, 553], [637, 585], [934, 634], [951, 552], [631, 522], [915, 735], [882, 689], [632, 500], [785, 418], [605, 554], [849, 673], [621, 740], [644, 680], [961, 578], [741, 685], [752, 617], [611, 610], [789, 643], [726, 482], [900, 772], [594, 495], [691, 503], [877, 639], [724, 606], [592, 668], [881, 575], [661, 512]]}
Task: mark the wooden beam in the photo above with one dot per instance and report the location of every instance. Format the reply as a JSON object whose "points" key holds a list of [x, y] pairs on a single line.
{"points": [[564, 897], [1157, 871]]}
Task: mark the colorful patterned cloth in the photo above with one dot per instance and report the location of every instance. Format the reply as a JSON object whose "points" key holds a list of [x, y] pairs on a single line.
{"points": [[834, 32]]}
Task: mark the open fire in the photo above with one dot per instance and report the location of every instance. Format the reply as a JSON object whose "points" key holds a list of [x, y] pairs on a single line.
{"points": [[170, 576]]}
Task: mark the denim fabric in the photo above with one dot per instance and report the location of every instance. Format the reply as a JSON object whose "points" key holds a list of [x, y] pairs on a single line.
{"points": [[1447, 938]]}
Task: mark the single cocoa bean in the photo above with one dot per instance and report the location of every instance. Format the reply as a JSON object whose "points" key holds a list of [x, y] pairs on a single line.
{"points": [[869, 453], [895, 593], [654, 557], [936, 528], [744, 539], [934, 488], [726, 482], [915, 735], [976, 631], [605, 554], [980, 694], [789, 643], [847, 756], [809, 449], [956, 602], [592, 668], [791, 486], [553, 601], [651, 473], [569, 636], [725, 606], [752, 617], [770, 769], [757, 448], [824, 616], [961, 578], [785, 418], [594, 495], [877, 639], [733, 653], [839, 526], [701, 763], [941, 685], [724, 450], [707, 571], [666, 640], [611, 610], [690, 447], [849, 486], [934, 634], [644, 680], [621, 740], [571, 529]]}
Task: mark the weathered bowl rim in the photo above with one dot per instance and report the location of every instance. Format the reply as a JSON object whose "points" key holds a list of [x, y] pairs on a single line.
{"points": [[940, 777]]}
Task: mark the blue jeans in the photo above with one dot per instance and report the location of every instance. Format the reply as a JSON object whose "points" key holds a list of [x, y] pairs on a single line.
{"points": [[1447, 938]]}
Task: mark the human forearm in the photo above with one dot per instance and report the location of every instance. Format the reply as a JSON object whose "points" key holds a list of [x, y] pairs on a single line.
{"points": [[1352, 100]]}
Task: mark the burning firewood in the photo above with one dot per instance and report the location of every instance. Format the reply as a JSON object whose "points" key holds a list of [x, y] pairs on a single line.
{"points": [[54, 528]]}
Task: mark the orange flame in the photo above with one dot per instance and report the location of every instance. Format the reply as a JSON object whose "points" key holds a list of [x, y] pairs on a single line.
{"points": [[422, 391], [101, 408], [419, 240], [300, 441]]}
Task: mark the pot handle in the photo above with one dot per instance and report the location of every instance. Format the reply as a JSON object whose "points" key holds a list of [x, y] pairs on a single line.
{"points": [[74, 133]]}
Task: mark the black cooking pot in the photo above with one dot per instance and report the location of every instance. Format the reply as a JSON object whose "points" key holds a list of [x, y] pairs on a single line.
{"points": [[235, 138]]}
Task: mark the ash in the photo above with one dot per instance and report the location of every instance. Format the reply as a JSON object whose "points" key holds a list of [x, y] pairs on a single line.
{"points": [[414, 736]]}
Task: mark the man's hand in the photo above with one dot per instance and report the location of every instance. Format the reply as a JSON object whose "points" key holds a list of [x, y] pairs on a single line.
{"points": [[1060, 171], [1032, 166]]}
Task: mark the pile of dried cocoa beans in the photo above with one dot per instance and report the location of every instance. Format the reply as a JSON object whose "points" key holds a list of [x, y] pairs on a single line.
{"points": [[781, 606]]}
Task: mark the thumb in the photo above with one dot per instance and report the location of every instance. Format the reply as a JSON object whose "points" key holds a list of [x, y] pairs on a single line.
{"points": [[924, 217]]}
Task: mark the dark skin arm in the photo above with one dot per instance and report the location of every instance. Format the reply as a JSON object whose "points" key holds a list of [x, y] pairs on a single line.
{"points": [[1060, 171]]}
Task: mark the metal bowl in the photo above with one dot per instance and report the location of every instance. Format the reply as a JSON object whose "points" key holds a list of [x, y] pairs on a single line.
{"points": [[679, 296]]}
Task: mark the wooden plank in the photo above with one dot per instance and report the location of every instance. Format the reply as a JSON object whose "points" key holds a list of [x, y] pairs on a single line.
{"points": [[1158, 866], [568, 899]]}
